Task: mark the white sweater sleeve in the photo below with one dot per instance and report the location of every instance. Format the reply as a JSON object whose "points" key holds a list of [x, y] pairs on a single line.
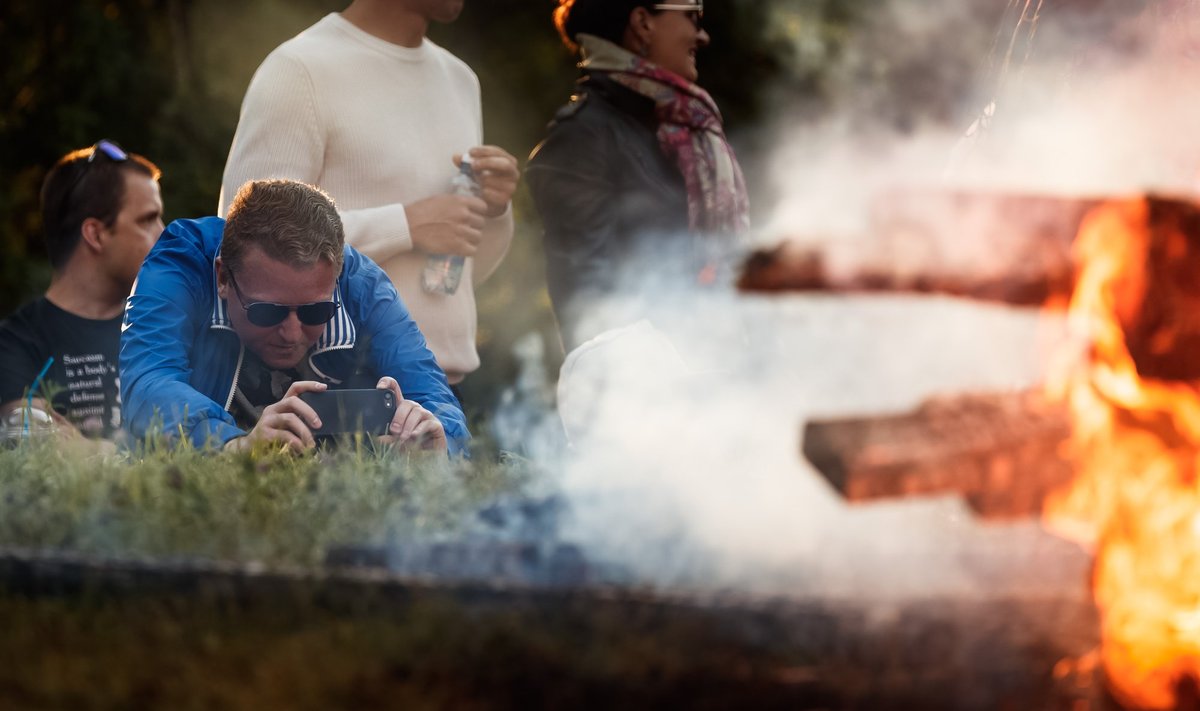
{"points": [[281, 134], [378, 232]]}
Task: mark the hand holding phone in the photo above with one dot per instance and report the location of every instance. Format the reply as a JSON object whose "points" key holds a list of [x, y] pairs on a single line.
{"points": [[289, 422], [412, 425]]}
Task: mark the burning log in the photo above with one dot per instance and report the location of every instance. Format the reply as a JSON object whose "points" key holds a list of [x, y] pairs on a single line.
{"points": [[1136, 439], [1017, 250], [1014, 249], [1154, 280], [1003, 452]]}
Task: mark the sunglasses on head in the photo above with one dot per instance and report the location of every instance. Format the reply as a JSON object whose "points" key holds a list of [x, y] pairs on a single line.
{"points": [[265, 314], [109, 149], [695, 11], [103, 147]]}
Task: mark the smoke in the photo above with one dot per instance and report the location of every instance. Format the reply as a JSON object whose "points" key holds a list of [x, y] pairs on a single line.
{"points": [[1047, 96], [685, 465], [686, 470]]}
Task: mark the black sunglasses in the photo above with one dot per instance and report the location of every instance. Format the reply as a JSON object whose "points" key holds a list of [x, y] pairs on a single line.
{"points": [[103, 147], [265, 314]]}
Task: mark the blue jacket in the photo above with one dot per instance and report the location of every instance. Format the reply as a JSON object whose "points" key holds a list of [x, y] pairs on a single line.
{"points": [[180, 359]]}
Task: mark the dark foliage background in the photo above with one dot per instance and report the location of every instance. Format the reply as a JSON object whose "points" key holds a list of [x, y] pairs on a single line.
{"points": [[165, 78]]}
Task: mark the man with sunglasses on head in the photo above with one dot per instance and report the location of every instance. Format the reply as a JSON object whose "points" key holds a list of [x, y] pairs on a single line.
{"points": [[101, 214], [232, 320]]}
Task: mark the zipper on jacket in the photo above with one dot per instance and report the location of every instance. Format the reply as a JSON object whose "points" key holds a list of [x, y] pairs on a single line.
{"points": [[237, 372]]}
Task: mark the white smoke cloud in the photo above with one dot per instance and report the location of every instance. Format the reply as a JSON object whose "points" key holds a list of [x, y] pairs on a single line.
{"points": [[686, 466], [689, 473], [1071, 100]]}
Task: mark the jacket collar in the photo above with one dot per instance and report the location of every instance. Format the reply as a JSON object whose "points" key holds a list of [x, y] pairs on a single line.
{"points": [[339, 332], [624, 98]]}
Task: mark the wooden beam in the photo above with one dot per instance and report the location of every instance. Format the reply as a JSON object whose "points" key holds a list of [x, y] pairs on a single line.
{"points": [[1009, 248], [1002, 452]]}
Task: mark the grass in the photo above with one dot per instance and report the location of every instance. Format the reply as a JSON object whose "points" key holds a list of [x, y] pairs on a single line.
{"points": [[315, 643], [265, 506]]}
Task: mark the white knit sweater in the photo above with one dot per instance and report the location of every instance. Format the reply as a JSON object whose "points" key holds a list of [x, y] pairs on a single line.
{"points": [[374, 125]]}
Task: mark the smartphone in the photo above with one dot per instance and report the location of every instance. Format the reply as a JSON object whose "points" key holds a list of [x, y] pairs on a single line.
{"points": [[343, 411]]}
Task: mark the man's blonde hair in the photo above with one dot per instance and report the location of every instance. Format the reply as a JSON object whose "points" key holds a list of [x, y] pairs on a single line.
{"points": [[291, 222]]}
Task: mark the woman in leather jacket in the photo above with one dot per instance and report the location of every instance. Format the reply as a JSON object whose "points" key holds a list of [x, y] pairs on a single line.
{"points": [[635, 178]]}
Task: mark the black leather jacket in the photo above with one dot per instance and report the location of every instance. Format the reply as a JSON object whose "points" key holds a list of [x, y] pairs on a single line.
{"points": [[613, 207]]}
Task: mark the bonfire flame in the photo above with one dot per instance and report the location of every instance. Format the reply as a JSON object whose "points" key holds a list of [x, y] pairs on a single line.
{"points": [[1136, 441]]}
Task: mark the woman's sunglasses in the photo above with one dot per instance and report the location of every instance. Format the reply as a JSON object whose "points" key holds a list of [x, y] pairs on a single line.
{"points": [[695, 11], [265, 314]]}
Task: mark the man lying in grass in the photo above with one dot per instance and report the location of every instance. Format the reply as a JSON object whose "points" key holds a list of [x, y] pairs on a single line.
{"points": [[231, 320]]}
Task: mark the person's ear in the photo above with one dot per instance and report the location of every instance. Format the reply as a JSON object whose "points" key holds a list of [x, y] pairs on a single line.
{"points": [[92, 234], [640, 29], [222, 280]]}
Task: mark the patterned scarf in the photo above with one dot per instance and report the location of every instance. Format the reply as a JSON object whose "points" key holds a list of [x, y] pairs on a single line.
{"points": [[690, 132]]}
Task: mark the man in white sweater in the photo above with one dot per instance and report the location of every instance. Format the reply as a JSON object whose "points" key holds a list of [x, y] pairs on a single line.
{"points": [[366, 107]]}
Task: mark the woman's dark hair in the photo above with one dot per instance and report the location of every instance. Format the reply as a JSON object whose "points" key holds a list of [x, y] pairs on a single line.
{"points": [[77, 188], [606, 19]]}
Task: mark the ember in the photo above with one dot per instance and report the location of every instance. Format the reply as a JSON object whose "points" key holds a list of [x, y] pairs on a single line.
{"points": [[1136, 417]]}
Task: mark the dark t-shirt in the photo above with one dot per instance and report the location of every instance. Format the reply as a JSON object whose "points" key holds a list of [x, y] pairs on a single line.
{"points": [[260, 386], [82, 381]]}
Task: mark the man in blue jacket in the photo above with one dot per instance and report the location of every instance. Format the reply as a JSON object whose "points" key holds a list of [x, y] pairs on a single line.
{"points": [[231, 320]]}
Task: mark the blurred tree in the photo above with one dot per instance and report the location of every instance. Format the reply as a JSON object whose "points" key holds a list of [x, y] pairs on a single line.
{"points": [[73, 72], [139, 72]]}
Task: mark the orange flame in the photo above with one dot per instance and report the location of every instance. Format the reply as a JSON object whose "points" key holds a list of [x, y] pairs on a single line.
{"points": [[1136, 443]]}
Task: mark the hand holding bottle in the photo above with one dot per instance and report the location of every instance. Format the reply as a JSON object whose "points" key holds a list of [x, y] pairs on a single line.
{"points": [[446, 224], [497, 173], [443, 272]]}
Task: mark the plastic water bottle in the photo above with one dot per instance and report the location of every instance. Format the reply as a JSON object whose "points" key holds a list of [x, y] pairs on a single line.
{"points": [[443, 272]]}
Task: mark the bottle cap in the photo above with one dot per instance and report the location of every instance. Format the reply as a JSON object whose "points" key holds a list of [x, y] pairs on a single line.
{"points": [[465, 167]]}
